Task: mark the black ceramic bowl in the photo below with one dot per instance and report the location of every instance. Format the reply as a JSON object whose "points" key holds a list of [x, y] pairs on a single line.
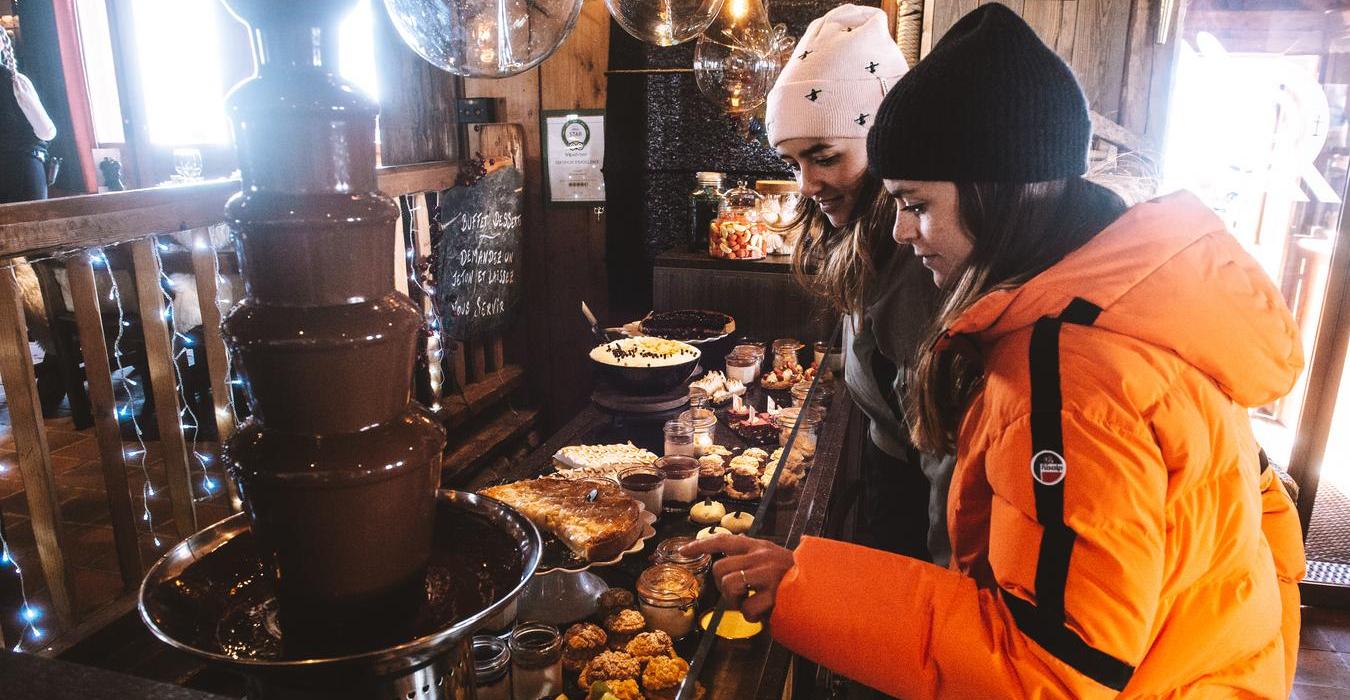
{"points": [[643, 380]]}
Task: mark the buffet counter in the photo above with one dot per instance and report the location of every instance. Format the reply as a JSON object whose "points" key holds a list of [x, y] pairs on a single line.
{"points": [[742, 668]]}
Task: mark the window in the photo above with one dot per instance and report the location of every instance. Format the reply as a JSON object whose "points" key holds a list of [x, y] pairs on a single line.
{"points": [[179, 59], [100, 74]]}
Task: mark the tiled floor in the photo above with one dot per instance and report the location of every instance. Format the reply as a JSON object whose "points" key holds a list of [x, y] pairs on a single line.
{"points": [[84, 511]]}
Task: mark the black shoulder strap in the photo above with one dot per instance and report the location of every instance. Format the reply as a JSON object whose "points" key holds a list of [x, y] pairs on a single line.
{"points": [[1043, 622]]}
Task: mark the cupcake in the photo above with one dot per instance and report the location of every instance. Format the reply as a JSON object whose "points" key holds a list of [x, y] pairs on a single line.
{"points": [[622, 626], [610, 666], [662, 677], [581, 643], [742, 482], [626, 689], [649, 644], [615, 599], [710, 473]]}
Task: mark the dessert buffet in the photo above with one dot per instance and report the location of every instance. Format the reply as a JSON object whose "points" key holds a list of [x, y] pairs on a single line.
{"points": [[744, 444]]}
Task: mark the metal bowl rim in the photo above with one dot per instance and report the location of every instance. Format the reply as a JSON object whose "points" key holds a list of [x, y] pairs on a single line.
{"points": [[367, 658]]}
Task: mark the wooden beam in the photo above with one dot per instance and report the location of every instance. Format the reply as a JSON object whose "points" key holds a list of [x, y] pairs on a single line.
{"points": [[159, 355], [87, 221], [475, 453], [478, 397], [103, 408], [205, 268], [422, 177], [30, 439]]}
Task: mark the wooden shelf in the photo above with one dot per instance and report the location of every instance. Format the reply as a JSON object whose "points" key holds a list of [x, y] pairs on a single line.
{"points": [[481, 395]]}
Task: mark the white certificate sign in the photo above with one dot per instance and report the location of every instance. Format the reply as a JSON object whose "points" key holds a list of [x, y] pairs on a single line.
{"points": [[575, 149]]}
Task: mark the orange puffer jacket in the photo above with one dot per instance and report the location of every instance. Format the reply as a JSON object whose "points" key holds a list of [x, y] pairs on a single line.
{"points": [[1113, 532]]}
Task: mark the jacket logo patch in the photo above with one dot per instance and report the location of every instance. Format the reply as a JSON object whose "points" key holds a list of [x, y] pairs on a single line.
{"points": [[1048, 467]]}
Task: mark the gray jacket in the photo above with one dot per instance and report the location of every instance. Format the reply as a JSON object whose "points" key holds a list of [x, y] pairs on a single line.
{"points": [[892, 326]]}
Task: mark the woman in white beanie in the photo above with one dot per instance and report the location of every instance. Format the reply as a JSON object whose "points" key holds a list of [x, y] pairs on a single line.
{"points": [[819, 112]]}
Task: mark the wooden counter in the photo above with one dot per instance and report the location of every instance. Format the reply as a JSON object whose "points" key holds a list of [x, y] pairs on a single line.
{"points": [[762, 295], [757, 668]]}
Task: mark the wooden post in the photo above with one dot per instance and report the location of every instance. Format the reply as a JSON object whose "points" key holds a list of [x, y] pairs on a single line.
{"points": [[477, 361], [205, 267], [459, 363], [30, 439], [498, 352], [159, 355], [103, 408]]}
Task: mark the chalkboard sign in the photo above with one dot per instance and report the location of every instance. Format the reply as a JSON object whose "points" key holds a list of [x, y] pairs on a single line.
{"points": [[478, 255]]}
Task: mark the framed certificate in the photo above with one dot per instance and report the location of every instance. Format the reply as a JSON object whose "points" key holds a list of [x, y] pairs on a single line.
{"points": [[574, 153]]}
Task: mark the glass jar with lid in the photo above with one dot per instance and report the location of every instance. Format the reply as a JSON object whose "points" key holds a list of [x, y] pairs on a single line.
{"points": [[785, 353], [666, 597], [777, 212], [749, 351], [536, 661], [823, 396], [807, 431], [737, 232], [704, 204], [668, 552], [491, 664]]}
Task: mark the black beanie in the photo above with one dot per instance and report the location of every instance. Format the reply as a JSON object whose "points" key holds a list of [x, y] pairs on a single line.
{"points": [[990, 103]]}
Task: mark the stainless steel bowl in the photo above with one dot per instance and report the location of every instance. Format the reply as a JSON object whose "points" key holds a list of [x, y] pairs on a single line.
{"points": [[185, 601]]}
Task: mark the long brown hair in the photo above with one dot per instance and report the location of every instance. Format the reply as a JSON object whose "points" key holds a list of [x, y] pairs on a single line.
{"points": [[1018, 230], [844, 260]]}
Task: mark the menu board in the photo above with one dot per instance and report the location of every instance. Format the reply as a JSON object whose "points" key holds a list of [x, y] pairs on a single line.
{"points": [[478, 254]]}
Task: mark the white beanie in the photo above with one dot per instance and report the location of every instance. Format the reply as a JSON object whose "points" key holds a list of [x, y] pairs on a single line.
{"points": [[835, 80]]}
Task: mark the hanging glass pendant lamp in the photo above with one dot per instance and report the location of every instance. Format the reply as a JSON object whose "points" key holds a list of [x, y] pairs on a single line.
{"points": [[664, 22], [484, 38], [738, 56]]}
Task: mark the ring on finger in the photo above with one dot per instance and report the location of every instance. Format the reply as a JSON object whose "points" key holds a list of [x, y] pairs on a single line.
{"points": [[746, 583]]}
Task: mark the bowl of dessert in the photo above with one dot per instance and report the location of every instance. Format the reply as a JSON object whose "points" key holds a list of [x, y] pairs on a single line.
{"points": [[645, 365]]}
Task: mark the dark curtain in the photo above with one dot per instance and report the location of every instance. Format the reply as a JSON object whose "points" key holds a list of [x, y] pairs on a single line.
{"points": [[39, 55]]}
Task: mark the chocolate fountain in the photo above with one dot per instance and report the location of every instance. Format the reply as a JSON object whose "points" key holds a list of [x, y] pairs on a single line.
{"points": [[351, 576]]}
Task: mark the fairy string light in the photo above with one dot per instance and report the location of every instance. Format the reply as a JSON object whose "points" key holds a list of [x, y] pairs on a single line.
{"points": [[221, 284], [181, 346], [29, 614], [125, 411]]}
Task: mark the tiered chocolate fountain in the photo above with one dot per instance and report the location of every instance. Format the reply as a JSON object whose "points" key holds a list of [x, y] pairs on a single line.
{"points": [[351, 577]]}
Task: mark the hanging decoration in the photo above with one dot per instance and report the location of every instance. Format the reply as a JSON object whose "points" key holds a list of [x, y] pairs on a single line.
{"points": [[181, 347], [664, 22], [484, 38], [125, 411], [738, 57]]}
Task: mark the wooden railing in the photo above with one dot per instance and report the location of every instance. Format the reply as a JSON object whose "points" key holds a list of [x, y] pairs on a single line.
{"points": [[77, 231]]}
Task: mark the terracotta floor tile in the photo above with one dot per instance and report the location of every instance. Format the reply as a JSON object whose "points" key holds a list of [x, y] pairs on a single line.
{"points": [[85, 506], [83, 450], [85, 545], [57, 439]]}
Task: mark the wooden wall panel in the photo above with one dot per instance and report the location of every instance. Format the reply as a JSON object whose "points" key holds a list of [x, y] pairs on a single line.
{"points": [[1099, 46], [564, 245], [1055, 21], [417, 101]]}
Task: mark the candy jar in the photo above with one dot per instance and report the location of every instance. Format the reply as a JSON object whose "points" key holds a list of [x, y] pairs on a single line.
{"points": [[704, 204], [737, 232]]}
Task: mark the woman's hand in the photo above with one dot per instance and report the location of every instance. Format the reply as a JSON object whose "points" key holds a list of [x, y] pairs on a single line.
{"points": [[750, 565]]}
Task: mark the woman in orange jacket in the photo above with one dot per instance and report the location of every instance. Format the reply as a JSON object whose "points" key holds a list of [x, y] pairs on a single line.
{"points": [[1113, 530]]}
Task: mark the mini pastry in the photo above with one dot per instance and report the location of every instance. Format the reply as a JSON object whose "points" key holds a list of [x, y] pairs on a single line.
{"points": [[745, 463], [710, 477], [616, 599], [649, 644], [707, 512], [626, 689], [662, 677], [622, 626], [743, 483], [713, 531], [717, 450], [738, 523], [757, 453], [581, 643], [610, 666], [711, 460]]}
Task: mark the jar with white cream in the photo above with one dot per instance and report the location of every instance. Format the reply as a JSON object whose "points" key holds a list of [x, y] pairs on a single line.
{"points": [[666, 597]]}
